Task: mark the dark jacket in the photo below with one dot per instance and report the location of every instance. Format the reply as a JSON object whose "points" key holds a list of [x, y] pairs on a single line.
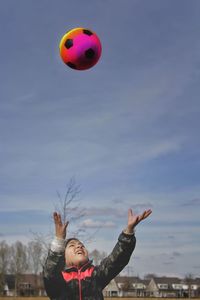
{"points": [[87, 282]]}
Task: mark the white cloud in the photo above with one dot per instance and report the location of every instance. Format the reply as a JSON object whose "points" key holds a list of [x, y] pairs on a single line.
{"points": [[89, 223]]}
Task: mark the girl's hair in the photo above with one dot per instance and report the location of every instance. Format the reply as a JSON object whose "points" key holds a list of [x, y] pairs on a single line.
{"points": [[71, 239]]}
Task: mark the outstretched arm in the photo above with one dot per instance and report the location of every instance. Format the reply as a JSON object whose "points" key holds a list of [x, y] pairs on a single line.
{"points": [[54, 264], [112, 265]]}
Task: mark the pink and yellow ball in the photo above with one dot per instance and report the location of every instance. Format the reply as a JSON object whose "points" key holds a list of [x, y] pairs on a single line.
{"points": [[80, 48]]}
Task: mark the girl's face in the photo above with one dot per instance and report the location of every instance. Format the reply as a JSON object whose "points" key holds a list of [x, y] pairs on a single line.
{"points": [[75, 253]]}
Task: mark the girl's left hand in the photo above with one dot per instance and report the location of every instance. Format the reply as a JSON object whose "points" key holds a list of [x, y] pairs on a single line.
{"points": [[134, 219]]}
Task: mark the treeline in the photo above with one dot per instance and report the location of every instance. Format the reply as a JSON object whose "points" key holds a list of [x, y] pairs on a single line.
{"points": [[18, 258]]}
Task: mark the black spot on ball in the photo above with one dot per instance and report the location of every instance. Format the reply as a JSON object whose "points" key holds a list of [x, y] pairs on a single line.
{"points": [[88, 32], [69, 43], [90, 53], [71, 65]]}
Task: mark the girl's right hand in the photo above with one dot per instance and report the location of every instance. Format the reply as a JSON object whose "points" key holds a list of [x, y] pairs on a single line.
{"points": [[60, 228]]}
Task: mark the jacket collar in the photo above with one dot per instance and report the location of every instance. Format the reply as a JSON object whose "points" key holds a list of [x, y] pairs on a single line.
{"points": [[76, 269]]}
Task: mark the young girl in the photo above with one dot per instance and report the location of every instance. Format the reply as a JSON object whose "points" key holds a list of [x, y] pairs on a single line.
{"points": [[69, 273]]}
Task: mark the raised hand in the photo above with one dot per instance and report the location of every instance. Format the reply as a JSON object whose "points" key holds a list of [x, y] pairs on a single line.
{"points": [[134, 219], [60, 228]]}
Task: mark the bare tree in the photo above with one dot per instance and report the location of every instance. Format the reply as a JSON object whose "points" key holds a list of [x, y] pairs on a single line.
{"points": [[4, 263], [68, 206], [34, 251], [126, 285], [97, 256], [188, 280], [149, 276], [70, 210], [35, 260], [18, 262]]}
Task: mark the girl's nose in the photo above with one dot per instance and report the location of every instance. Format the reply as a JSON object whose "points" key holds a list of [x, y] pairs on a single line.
{"points": [[79, 247]]}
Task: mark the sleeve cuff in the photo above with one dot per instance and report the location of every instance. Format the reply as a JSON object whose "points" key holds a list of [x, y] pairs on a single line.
{"points": [[57, 245], [128, 233]]}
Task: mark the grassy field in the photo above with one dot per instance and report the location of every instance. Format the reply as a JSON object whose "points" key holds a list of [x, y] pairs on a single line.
{"points": [[45, 298]]}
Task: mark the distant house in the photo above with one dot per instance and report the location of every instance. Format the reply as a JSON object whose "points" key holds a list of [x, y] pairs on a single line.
{"points": [[155, 287], [173, 287], [193, 287], [9, 287], [165, 287], [31, 285], [28, 285], [140, 287], [111, 290], [125, 286]]}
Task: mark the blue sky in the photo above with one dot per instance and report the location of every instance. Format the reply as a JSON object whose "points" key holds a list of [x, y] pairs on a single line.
{"points": [[127, 130]]}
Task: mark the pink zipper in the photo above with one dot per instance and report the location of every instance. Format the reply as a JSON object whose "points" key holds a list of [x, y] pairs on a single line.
{"points": [[79, 283], [79, 279]]}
